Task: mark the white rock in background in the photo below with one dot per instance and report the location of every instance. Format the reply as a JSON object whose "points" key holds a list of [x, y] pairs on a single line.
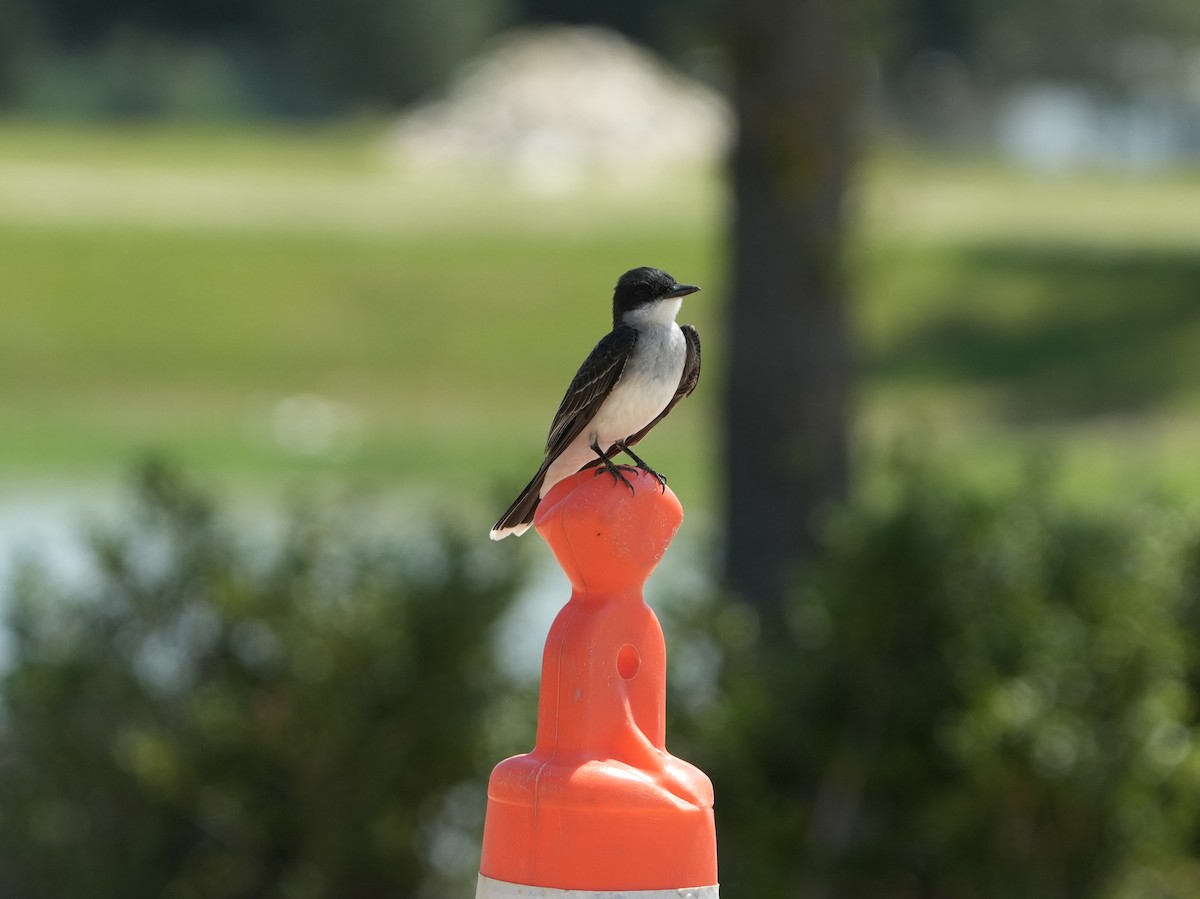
{"points": [[553, 105]]}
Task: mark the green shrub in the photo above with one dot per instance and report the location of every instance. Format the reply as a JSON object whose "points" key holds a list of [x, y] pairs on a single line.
{"points": [[969, 696], [210, 719]]}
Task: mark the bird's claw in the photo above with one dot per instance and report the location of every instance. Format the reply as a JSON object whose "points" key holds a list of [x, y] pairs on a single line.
{"points": [[661, 478], [620, 475], [641, 465], [615, 471]]}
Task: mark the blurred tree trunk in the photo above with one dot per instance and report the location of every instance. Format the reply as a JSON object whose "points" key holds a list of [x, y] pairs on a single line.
{"points": [[795, 90]]}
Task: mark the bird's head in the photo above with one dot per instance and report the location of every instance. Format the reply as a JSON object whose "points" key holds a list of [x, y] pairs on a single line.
{"points": [[643, 287]]}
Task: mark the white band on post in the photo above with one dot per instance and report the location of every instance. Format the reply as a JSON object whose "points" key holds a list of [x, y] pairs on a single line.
{"points": [[498, 889]]}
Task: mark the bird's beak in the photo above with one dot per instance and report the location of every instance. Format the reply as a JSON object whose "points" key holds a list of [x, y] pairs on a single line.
{"points": [[681, 290]]}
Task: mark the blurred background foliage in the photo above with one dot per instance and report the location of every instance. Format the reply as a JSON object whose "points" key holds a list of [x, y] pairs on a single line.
{"points": [[210, 244], [988, 697], [304, 716], [237, 58], [973, 694]]}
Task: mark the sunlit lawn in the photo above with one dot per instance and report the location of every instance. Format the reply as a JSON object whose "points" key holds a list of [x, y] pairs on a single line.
{"points": [[273, 304]]}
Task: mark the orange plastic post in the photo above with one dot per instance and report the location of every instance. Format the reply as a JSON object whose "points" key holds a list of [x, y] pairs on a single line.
{"points": [[599, 804]]}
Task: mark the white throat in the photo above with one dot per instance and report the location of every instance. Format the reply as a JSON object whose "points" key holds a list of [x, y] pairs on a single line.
{"points": [[659, 313]]}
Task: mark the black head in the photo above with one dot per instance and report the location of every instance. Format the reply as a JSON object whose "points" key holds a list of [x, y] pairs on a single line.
{"points": [[640, 286]]}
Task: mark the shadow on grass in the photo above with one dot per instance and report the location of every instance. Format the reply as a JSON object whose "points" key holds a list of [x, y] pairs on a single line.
{"points": [[1059, 331]]}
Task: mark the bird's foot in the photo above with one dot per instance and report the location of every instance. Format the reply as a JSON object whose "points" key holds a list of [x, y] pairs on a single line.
{"points": [[661, 478], [617, 474], [640, 463]]}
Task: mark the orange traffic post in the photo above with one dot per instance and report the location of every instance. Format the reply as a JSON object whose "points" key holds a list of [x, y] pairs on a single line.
{"points": [[599, 808]]}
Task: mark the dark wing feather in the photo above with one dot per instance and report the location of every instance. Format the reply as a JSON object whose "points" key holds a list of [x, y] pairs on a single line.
{"points": [[687, 381], [591, 384]]}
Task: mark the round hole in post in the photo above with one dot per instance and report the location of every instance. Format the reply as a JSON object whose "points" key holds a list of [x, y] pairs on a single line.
{"points": [[628, 661]]}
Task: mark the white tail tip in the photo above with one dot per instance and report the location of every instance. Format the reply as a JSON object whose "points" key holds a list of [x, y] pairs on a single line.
{"points": [[501, 533]]}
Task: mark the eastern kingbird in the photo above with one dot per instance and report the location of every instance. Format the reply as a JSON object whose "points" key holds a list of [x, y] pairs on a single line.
{"points": [[627, 385]]}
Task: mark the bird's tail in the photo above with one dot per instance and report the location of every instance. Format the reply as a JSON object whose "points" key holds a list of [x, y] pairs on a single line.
{"points": [[520, 514]]}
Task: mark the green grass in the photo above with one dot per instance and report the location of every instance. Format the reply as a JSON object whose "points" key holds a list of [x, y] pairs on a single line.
{"points": [[171, 288], [344, 147]]}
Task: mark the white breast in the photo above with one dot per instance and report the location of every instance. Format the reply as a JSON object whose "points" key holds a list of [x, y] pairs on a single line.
{"points": [[647, 384]]}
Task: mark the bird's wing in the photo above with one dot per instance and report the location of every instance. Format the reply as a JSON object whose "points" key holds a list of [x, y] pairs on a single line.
{"points": [[687, 381], [591, 384]]}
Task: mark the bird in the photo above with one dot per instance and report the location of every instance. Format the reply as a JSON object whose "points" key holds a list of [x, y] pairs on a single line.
{"points": [[628, 383]]}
